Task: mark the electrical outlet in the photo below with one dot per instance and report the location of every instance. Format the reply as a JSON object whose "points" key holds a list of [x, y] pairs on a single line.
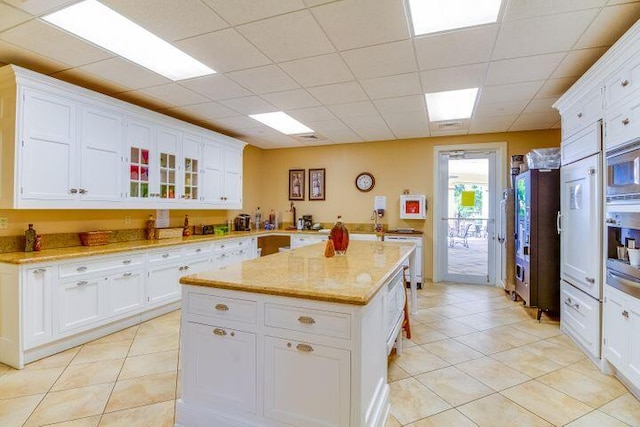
{"points": [[127, 219], [4, 223]]}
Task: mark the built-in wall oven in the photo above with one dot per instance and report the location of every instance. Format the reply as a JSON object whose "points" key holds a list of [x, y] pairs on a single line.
{"points": [[623, 231], [623, 174]]}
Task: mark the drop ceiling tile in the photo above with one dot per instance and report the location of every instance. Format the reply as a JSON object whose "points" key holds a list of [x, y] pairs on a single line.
{"points": [[265, 79], [534, 121], [169, 19], [238, 123], [216, 87], [37, 7], [491, 124], [547, 34], [249, 105], [291, 99], [313, 114], [287, 37], [372, 122], [554, 88], [382, 60], [531, 8], [615, 2], [174, 94], [319, 70], [577, 62], [211, 110], [82, 78], [369, 134], [393, 86], [48, 41], [461, 47], [324, 126], [510, 92], [609, 25], [412, 120], [462, 77], [353, 109], [342, 136], [11, 54], [463, 131], [10, 16], [485, 109], [312, 3], [125, 73], [531, 68], [224, 51], [403, 104], [357, 23], [540, 105], [339, 93], [142, 99], [241, 11]]}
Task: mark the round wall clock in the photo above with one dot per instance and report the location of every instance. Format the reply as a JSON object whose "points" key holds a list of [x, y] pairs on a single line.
{"points": [[365, 182]]}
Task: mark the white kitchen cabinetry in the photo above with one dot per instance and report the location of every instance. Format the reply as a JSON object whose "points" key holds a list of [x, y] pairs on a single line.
{"points": [[163, 275], [125, 292], [622, 333], [624, 82], [417, 240], [60, 141], [306, 384], [580, 318], [300, 240], [622, 124], [582, 144], [80, 303], [37, 305], [586, 111]]}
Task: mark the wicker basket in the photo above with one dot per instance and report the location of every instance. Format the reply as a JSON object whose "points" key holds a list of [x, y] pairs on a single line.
{"points": [[95, 238]]}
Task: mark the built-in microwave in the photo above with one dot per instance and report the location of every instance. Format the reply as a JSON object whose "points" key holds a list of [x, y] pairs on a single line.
{"points": [[623, 174]]}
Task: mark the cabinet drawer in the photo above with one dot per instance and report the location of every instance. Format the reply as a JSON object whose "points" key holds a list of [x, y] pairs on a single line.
{"points": [[622, 124], [93, 266], [581, 145], [223, 308], [580, 317], [584, 112], [623, 82], [162, 256], [301, 319], [230, 245], [197, 250]]}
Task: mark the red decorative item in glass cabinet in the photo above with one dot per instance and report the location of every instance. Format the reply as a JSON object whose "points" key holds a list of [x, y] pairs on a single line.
{"points": [[340, 237]]}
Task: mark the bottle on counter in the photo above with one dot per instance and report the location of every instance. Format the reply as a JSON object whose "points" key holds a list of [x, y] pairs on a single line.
{"points": [[150, 229], [340, 236], [272, 218], [186, 230], [38, 243], [258, 218], [29, 239], [329, 249]]}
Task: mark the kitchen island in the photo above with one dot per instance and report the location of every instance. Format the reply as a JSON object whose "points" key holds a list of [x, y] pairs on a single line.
{"points": [[292, 339]]}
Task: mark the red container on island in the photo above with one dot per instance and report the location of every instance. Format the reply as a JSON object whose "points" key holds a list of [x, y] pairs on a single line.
{"points": [[340, 237]]}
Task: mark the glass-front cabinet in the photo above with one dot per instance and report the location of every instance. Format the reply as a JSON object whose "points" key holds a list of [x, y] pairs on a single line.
{"points": [[191, 163], [141, 156], [139, 173], [168, 150]]}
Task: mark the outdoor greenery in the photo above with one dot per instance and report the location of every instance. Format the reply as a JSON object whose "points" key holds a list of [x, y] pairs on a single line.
{"points": [[467, 211]]}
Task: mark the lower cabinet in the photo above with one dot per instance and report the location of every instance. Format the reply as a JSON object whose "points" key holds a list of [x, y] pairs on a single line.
{"points": [[79, 302], [306, 384], [621, 330], [37, 305], [125, 292], [163, 276]]}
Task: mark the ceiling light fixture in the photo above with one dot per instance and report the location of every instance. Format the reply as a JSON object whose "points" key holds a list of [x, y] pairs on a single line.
{"points": [[451, 104], [282, 122], [106, 28], [432, 16]]}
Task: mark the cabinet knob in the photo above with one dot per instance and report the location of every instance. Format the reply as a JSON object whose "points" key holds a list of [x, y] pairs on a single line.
{"points": [[83, 191], [625, 314], [199, 250], [306, 320], [80, 269], [222, 307], [73, 190], [186, 267], [220, 332], [626, 122], [127, 274], [579, 115], [181, 268], [165, 255], [126, 261], [304, 347], [624, 83], [82, 283], [590, 280], [39, 271], [591, 171]]}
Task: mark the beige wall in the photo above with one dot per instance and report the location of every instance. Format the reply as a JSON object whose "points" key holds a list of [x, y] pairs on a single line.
{"points": [[396, 166]]}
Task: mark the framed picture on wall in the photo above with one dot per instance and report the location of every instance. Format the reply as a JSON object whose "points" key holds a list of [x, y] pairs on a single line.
{"points": [[316, 184], [296, 184]]}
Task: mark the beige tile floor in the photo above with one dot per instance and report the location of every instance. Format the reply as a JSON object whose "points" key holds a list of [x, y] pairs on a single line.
{"points": [[476, 359]]}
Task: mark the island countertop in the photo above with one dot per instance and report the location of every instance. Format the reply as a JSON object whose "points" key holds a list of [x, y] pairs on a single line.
{"points": [[353, 278]]}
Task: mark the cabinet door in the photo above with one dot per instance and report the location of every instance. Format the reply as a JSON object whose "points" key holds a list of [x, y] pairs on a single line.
{"points": [[622, 124], [633, 361], [580, 209], [48, 148], [37, 316], [191, 164], [141, 155], [221, 367], [232, 190], [101, 144], [306, 384], [80, 303], [212, 167], [168, 152], [125, 292], [162, 282], [194, 266], [615, 327]]}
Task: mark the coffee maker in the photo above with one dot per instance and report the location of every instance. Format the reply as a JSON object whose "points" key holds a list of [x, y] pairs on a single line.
{"points": [[307, 222], [242, 223]]}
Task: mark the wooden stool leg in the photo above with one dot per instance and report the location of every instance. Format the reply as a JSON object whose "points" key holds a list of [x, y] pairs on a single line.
{"points": [[406, 325]]}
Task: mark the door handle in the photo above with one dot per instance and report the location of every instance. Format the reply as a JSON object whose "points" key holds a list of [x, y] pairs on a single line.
{"points": [[558, 222]]}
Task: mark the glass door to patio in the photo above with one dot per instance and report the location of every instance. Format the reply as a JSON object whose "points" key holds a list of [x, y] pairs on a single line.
{"points": [[467, 217]]}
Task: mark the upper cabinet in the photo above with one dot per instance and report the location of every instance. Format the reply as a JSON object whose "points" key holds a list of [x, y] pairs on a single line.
{"points": [[78, 149]]}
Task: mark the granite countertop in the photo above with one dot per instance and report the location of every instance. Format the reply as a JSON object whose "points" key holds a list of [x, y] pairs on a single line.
{"points": [[61, 254], [353, 278]]}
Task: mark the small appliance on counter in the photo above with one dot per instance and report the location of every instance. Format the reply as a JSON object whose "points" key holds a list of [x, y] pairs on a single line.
{"points": [[242, 223], [203, 229], [307, 222]]}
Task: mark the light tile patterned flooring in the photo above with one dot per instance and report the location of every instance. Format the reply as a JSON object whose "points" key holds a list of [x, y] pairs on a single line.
{"points": [[475, 358]]}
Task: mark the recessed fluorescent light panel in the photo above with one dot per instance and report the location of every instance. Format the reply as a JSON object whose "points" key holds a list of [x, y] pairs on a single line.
{"points": [[100, 25], [451, 105], [432, 16], [282, 122]]}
